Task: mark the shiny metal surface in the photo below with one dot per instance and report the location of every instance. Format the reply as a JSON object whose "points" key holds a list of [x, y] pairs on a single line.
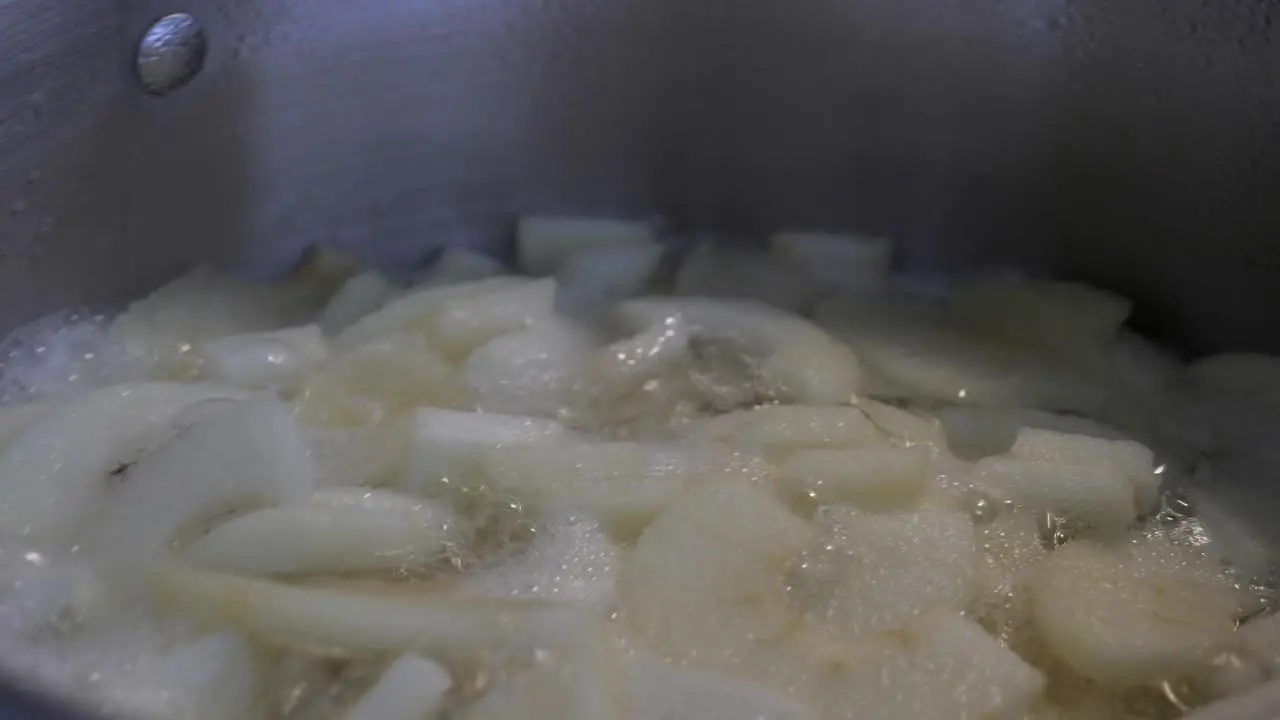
{"points": [[170, 53], [1135, 144]]}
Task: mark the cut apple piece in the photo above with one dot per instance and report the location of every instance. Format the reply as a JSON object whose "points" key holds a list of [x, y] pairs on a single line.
{"points": [[1011, 549], [571, 560], [942, 666], [778, 430], [345, 531], [663, 691], [719, 270], [978, 432], [370, 455], [411, 688], [460, 265], [544, 243], [277, 360], [1050, 314], [360, 296], [379, 380], [416, 310], [462, 633], [446, 445], [838, 260], [247, 455], [530, 372], [466, 323], [1120, 618], [1131, 460], [876, 572], [706, 583], [623, 484], [797, 359], [876, 479], [592, 280], [905, 428], [581, 681], [16, 418], [214, 676], [157, 335], [644, 376], [56, 472], [1044, 475], [917, 356], [1261, 637]]}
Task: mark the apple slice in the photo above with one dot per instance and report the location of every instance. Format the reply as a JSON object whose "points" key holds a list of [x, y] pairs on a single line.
{"points": [[244, 456], [941, 666], [797, 359], [778, 430], [623, 484], [706, 583], [378, 380], [875, 572], [466, 323], [411, 688], [416, 310], [360, 296], [544, 243], [571, 560], [1123, 617], [56, 472], [276, 360], [445, 446], [343, 531]]}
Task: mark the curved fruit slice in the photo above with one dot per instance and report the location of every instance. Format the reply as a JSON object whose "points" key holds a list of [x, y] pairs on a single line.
{"points": [[213, 676], [415, 310], [56, 472], [876, 572], [466, 323], [797, 358], [446, 445], [372, 530], [778, 430], [378, 380], [719, 270], [839, 260], [277, 360], [411, 688], [623, 484], [247, 455], [942, 666], [876, 479], [544, 243], [360, 296], [461, 633], [706, 583], [529, 372], [1121, 618], [664, 691], [571, 560]]}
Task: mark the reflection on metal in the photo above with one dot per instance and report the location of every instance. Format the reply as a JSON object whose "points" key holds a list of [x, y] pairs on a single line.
{"points": [[170, 53]]}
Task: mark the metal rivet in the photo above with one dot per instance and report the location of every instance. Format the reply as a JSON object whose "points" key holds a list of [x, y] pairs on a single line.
{"points": [[170, 53]]}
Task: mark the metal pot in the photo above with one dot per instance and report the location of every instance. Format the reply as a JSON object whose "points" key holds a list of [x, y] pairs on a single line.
{"points": [[1133, 144]]}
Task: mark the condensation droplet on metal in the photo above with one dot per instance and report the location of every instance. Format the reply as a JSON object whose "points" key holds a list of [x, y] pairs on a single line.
{"points": [[170, 53]]}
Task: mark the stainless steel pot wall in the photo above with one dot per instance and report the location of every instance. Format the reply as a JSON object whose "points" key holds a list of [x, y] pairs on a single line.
{"points": [[1135, 143], [1132, 143]]}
